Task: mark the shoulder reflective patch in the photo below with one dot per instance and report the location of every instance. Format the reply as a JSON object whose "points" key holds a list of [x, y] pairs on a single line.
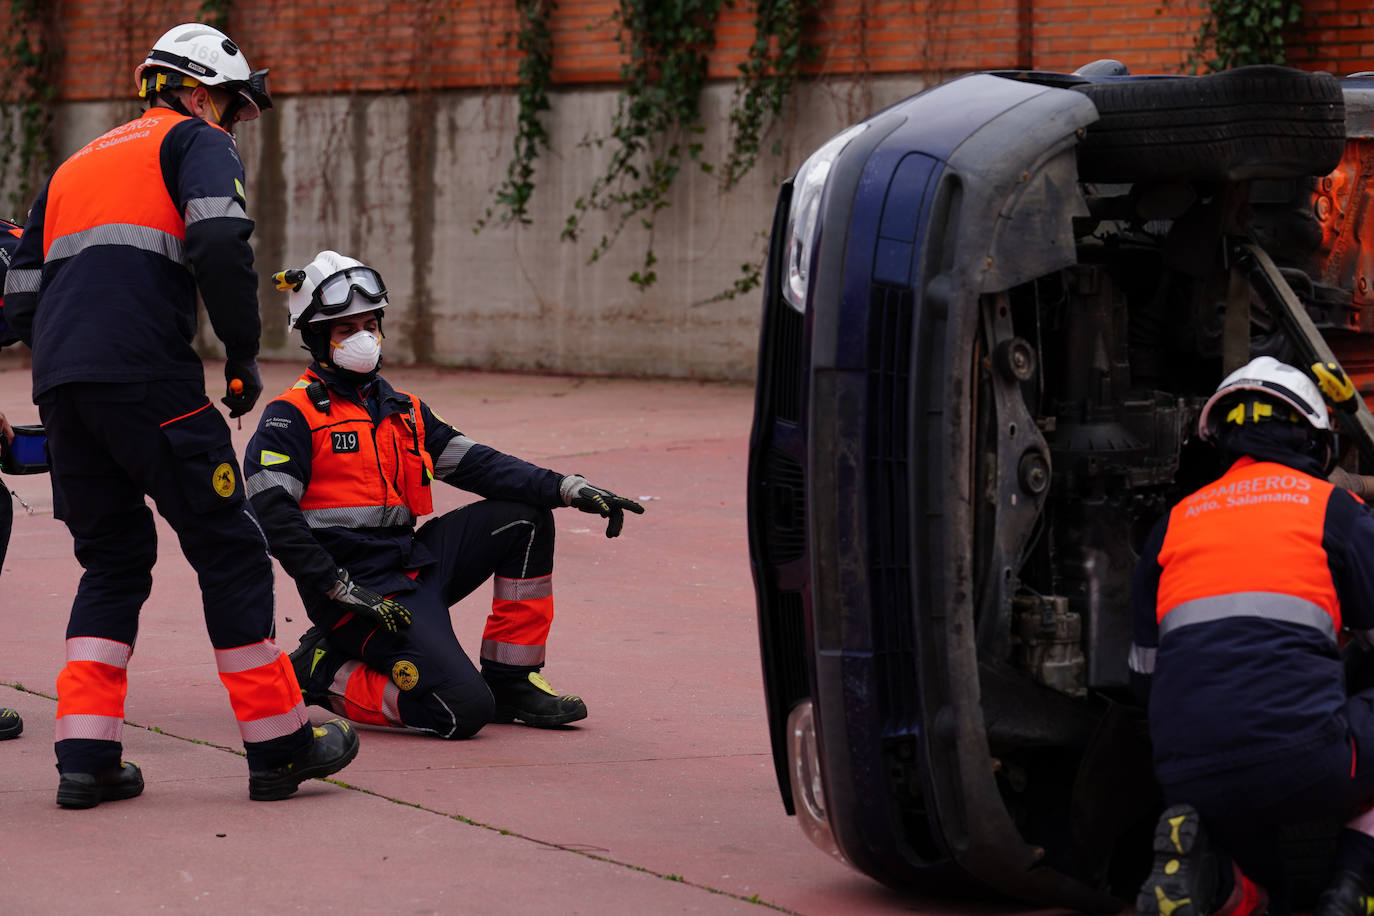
{"points": [[267, 459], [242, 195], [301, 384]]}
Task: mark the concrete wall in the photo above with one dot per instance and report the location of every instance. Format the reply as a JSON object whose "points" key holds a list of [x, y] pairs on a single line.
{"points": [[400, 180]]}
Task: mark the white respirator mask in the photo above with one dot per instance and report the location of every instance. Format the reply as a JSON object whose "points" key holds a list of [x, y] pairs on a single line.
{"points": [[360, 352]]}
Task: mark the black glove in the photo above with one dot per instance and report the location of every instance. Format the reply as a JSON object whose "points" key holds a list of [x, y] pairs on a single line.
{"points": [[389, 615], [249, 387], [579, 494]]}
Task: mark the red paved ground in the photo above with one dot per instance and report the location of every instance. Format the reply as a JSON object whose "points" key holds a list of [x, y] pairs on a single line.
{"points": [[662, 801]]}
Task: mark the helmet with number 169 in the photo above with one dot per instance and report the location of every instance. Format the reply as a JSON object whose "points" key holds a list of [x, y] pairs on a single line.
{"points": [[194, 54]]}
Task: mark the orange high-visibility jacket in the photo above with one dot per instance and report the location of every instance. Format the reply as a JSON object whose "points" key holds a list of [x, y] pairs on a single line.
{"points": [[116, 246], [1239, 597], [364, 475]]}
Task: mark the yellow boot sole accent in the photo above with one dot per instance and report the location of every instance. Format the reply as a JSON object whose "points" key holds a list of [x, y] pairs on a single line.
{"points": [[1175, 823], [1167, 906]]}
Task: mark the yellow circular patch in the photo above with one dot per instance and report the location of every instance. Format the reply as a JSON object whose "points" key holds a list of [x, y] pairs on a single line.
{"points": [[405, 674], [223, 479]]}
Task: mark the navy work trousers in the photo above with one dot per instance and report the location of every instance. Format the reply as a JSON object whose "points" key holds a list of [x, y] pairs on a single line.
{"points": [[110, 445], [442, 692], [1244, 809]]}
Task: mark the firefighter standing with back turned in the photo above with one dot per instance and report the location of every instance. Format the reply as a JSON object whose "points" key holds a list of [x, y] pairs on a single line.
{"points": [[339, 471], [103, 288], [1240, 595]]}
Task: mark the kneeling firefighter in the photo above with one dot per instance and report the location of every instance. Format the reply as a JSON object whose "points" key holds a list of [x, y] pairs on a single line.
{"points": [[339, 470], [1240, 597]]}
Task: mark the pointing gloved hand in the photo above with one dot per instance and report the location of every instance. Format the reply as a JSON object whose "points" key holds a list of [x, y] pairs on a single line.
{"points": [[389, 615], [579, 494], [242, 396]]}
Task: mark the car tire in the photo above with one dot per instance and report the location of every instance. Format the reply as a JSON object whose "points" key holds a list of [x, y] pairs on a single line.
{"points": [[1251, 122]]}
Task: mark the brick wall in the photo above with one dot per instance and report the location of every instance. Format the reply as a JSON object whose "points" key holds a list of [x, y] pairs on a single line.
{"points": [[316, 46], [320, 46]]}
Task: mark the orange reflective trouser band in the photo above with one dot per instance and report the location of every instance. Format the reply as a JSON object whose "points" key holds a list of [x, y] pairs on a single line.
{"points": [[521, 614], [91, 690], [363, 695], [263, 691]]}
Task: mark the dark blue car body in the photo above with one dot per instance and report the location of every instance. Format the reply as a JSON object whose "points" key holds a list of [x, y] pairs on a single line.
{"points": [[965, 417]]}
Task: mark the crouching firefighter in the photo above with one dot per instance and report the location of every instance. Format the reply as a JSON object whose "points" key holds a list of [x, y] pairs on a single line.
{"points": [[1240, 597], [339, 470]]}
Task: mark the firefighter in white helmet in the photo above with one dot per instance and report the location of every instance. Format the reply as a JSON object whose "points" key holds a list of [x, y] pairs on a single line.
{"points": [[1241, 596], [125, 238], [339, 473]]}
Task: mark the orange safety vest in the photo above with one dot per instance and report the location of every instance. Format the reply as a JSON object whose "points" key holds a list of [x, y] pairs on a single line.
{"points": [[1249, 545], [112, 192], [361, 475]]}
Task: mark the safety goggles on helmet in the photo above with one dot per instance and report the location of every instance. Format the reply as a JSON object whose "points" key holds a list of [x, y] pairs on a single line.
{"points": [[334, 293]]}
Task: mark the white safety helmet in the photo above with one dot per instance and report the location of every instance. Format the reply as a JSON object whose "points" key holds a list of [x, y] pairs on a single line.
{"points": [[1278, 381], [329, 287], [195, 54]]}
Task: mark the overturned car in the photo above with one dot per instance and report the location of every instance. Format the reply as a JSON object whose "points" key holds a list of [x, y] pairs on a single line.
{"points": [[992, 314]]}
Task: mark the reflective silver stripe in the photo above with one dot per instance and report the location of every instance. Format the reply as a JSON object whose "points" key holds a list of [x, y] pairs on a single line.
{"points": [[522, 589], [23, 280], [269, 727], [262, 481], [1141, 659], [96, 649], [391, 707], [508, 653], [529, 545], [452, 455], [140, 237], [338, 688], [246, 658], [94, 728], [201, 208], [1266, 605], [359, 517]]}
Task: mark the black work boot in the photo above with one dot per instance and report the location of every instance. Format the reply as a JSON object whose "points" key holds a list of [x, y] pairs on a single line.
{"points": [[530, 699], [305, 658], [332, 747], [86, 790], [11, 726], [1347, 895], [1188, 875]]}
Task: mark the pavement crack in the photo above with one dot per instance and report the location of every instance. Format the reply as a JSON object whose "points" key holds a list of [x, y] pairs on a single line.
{"points": [[574, 848]]}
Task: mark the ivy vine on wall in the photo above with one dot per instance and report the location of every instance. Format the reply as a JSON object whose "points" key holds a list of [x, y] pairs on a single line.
{"points": [[535, 43], [656, 129], [31, 68], [1237, 33], [656, 124], [767, 77]]}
